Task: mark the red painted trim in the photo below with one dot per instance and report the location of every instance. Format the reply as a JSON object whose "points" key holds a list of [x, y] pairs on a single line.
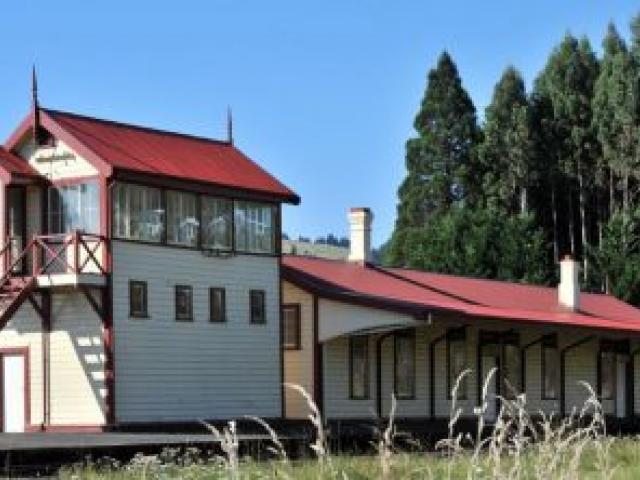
{"points": [[18, 134], [24, 351], [60, 132]]}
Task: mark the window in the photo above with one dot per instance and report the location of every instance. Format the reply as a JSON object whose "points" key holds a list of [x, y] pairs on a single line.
{"points": [[138, 299], [138, 213], [607, 374], [511, 373], [183, 226], [550, 369], [74, 207], [254, 227], [457, 358], [184, 302], [217, 223], [217, 305], [405, 366], [257, 306], [359, 367], [291, 334]]}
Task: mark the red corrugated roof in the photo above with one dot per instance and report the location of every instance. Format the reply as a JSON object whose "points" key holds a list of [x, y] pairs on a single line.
{"points": [[140, 149], [472, 297], [13, 164]]}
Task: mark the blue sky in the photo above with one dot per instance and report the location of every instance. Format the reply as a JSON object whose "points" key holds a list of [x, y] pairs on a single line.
{"points": [[323, 93]]}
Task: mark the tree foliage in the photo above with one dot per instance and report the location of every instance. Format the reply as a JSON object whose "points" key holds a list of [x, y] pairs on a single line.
{"points": [[550, 172]]}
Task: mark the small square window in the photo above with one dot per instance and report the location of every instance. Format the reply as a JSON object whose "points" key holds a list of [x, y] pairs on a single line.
{"points": [[217, 305], [257, 306], [138, 299], [291, 327], [184, 303]]}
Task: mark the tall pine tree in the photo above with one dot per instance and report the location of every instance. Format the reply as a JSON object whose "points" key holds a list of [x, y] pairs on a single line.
{"points": [[568, 83], [439, 160], [506, 154]]}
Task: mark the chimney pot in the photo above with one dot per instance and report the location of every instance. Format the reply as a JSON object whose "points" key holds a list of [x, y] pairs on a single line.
{"points": [[569, 287], [360, 220]]}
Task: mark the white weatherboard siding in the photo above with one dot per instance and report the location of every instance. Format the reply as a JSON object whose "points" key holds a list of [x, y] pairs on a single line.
{"points": [[580, 367], [338, 318], [298, 364], [168, 370], [56, 163], [24, 330], [76, 360]]}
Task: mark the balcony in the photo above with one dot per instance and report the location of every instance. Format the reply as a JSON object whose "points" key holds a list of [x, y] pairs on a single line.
{"points": [[57, 261]]}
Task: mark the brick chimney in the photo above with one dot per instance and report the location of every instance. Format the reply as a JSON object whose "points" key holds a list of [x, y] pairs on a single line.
{"points": [[360, 220], [569, 287]]}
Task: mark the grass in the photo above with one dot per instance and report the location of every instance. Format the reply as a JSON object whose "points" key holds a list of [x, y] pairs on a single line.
{"points": [[518, 447]]}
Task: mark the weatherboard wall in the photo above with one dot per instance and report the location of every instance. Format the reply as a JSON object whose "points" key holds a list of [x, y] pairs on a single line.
{"points": [[168, 370]]}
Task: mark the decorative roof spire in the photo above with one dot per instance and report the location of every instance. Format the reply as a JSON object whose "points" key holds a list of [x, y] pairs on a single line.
{"points": [[229, 126], [35, 107]]}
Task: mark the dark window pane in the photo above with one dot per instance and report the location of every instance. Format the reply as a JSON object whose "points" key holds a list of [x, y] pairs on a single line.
{"points": [[217, 214], [138, 299], [257, 306], [254, 227], [607, 374], [551, 368], [457, 365], [511, 377], [405, 366], [183, 226], [138, 213], [359, 367], [74, 207], [291, 327], [184, 303], [217, 300]]}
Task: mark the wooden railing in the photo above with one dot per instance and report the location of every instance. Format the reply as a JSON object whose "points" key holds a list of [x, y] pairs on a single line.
{"points": [[74, 253]]}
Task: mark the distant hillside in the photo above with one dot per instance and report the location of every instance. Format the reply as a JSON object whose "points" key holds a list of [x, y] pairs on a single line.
{"points": [[297, 247]]}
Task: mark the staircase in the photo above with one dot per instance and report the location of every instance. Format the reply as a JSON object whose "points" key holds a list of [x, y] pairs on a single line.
{"points": [[13, 292]]}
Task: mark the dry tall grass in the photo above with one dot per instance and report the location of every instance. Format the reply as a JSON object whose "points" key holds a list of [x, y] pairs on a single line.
{"points": [[516, 446]]}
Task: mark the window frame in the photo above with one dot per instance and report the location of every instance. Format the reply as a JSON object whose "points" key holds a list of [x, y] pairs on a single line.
{"points": [[298, 320], [57, 188], [223, 318], [273, 204], [177, 290], [548, 344], [145, 312], [263, 302], [412, 337], [367, 369], [169, 192], [456, 336]]}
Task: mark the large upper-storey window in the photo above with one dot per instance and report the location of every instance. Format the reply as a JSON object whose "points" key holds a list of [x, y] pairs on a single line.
{"points": [[138, 213], [74, 207], [254, 227], [217, 223], [193, 220], [183, 225]]}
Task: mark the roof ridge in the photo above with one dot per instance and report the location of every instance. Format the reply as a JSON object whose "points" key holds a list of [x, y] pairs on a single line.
{"points": [[143, 128]]}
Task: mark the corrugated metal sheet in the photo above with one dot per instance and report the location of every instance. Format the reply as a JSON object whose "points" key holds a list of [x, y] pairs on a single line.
{"points": [[13, 164], [468, 296], [146, 150]]}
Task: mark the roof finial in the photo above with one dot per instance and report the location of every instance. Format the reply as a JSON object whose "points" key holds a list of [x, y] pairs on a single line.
{"points": [[229, 126], [35, 107]]}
